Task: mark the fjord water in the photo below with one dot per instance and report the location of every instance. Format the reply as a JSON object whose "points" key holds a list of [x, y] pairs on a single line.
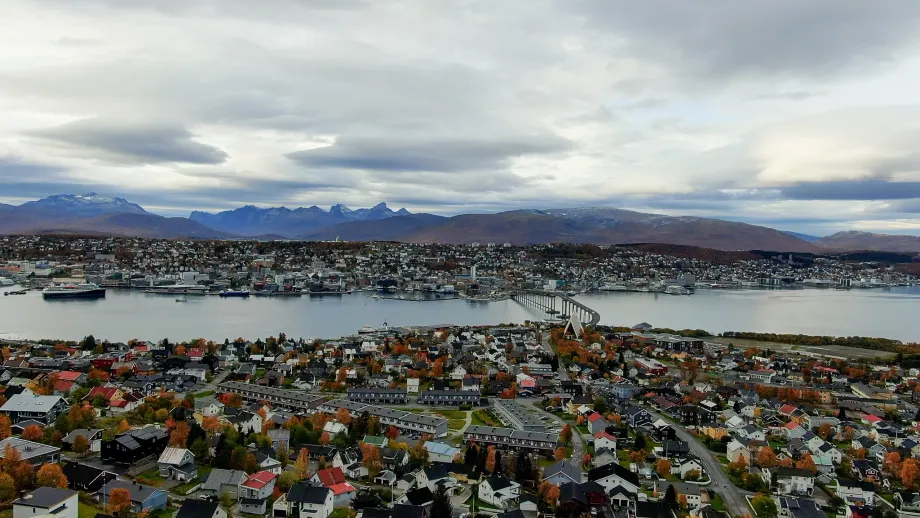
{"points": [[123, 315]]}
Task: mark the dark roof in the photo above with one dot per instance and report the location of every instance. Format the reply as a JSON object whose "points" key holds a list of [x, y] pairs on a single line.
{"points": [[652, 510], [303, 492], [613, 469], [45, 497], [420, 496], [497, 482], [408, 511], [139, 492], [373, 512], [793, 472], [195, 508], [82, 473]]}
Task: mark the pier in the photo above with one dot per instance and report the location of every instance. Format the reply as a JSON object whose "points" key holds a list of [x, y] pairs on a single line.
{"points": [[556, 306]]}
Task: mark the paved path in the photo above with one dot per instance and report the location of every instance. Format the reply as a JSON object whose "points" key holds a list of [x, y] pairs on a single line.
{"points": [[732, 495], [469, 421], [577, 446]]}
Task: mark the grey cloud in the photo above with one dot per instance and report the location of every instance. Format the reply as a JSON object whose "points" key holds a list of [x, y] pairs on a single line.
{"points": [[145, 142], [713, 39], [448, 155], [859, 190], [15, 169]]}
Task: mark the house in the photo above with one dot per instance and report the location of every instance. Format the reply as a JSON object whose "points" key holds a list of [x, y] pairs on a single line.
{"points": [[196, 508], [863, 469], [433, 476], [690, 491], [652, 510], [596, 423], [440, 452], [605, 440], [790, 481], [393, 458], [255, 491], [907, 503], [47, 502], [334, 479], [245, 422], [266, 461], [419, 497], [612, 475], [798, 508], [562, 472], [93, 438], [131, 447], [177, 464], [143, 498], [280, 437], [209, 406], [855, 491], [603, 456], [685, 465], [222, 481], [34, 453], [576, 498], [27, 405], [83, 477], [305, 501], [736, 449], [499, 491], [637, 417]]}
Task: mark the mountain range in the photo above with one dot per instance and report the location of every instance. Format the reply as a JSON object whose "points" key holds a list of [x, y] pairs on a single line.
{"points": [[96, 214]]}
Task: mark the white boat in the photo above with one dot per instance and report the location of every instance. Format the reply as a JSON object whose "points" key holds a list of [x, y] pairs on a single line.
{"points": [[366, 330], [676, 290], [182, 299], [86, 290]]}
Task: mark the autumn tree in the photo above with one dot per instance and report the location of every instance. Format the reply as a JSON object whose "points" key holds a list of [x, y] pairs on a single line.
{"points": [[179, 436], [764, 506], [663, 468], [80, 445], [586, 461], [766, 458], [210, 424], [566, 435], [737, 467], [824, 431], [7, 488], [343, 416], [5, 426], [301, 466], [892, 464], [51, 475], [119, 500], [325, 438], [371, 459], [559, 454], [392, 433], [490, 459], [807, 463], [910, 473], [124, 426], [33, 432]]}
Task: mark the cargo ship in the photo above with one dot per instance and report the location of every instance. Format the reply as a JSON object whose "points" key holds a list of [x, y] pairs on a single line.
{"points": [[234, 293], [74, 291]]}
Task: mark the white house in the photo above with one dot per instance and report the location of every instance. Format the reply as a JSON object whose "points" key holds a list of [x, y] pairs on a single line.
{"points": [[791, 481], [209, 406], [854, 491], [686, 465], [440, 452], [605, 440], [458, 373], [412, 385], [499, 491], [177, 464], [47, 502], [304, 499]]}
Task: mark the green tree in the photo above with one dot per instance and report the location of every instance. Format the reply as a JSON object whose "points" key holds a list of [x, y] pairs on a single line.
{"points": [[670, 496], [201, 450], [441, 505], [764, 506], [89, 343]]}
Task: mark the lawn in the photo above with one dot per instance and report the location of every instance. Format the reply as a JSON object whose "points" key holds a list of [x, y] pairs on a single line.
{"points": [[715, 500], [183, 489], [482, 418], [206, 393], [169, 512], [86, 510], [582, 429], [453, 414], [8, 513], [456, 424], [409, 409], [151, 478]]}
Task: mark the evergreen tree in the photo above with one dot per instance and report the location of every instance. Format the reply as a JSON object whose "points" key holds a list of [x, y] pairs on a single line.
{"points": [[842, 415], [499, 467], [481, 458], [471, 455], [640, 441], [89, 343], [524, 468], [441, 506], [670, 496]]}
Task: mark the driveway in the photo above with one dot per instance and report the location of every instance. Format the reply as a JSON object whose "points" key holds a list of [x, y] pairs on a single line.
{"points": [[721, 484]]}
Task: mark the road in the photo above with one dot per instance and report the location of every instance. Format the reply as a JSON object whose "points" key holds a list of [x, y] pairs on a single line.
{"points": [[563, 374], [732, 495]]}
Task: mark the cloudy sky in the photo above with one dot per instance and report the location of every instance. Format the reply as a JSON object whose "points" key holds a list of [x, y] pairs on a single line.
{"points": [[802, 115]]}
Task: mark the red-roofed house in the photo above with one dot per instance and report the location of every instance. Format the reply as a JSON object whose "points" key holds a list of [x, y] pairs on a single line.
{"points": [[597, 423], [334, 479], [787, 409], [74, 376], [196, 354], [108, 394], [872, 419], [63, 387], [604, 440], [255, 491]]}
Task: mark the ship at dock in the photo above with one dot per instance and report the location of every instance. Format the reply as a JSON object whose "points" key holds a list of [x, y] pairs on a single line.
{"points": [[73, 291], [234, 293]]}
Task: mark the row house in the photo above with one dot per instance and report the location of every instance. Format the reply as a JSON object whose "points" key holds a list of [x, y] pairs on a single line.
{"points": [[383, 396], [279, 398], [512, 439], [406, 422], [449, 397]]}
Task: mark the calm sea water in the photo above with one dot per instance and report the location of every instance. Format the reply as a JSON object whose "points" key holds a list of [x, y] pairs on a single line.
{"points": [[123, 315]]}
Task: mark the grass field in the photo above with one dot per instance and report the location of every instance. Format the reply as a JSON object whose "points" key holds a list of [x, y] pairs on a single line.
{"points": [[827, 350], [456, 424], [481, 418], [453, 414], [151, 478], [86, 510]]}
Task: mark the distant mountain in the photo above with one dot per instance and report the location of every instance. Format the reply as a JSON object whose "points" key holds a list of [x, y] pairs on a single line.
{"points": [[86, 205], [251, 220], [607, 226], [390, 229], [854, 240], [803, 237]]}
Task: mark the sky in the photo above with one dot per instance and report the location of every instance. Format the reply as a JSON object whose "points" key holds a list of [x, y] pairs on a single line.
{"points": [[799, 115]]}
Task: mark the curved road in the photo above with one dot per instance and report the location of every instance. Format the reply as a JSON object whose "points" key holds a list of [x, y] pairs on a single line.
{"points": [[732, 495]]}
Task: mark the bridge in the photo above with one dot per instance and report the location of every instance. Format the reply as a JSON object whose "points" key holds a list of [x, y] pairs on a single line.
{"points": [[556, 306]]}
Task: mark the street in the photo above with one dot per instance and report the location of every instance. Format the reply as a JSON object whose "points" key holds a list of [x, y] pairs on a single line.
{"points": [[732, 495]]}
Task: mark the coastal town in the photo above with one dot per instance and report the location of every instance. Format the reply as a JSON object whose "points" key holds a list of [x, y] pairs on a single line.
{"points": [[511, 421], [483, 271]]}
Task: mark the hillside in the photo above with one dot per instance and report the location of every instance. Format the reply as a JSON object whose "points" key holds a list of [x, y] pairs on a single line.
{"points": [[390, 229], [854, 240], [252, 221]]}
